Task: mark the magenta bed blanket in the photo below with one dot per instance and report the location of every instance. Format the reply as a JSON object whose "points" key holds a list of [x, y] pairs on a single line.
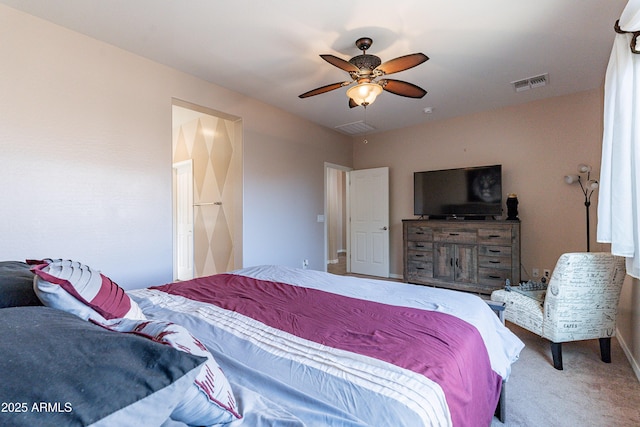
{"points": [[441, 347]]}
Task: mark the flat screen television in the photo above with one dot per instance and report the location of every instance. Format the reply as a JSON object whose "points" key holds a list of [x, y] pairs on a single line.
{"points": [[473, 192]]}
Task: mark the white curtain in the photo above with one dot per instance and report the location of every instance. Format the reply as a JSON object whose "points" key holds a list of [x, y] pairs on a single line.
{"points": [[619, 198]]}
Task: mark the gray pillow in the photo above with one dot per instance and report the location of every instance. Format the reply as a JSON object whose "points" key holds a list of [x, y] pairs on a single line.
{"points": [[16, 285], [59, 370]]}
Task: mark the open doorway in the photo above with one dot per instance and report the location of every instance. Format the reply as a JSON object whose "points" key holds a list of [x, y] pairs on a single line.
{"points": [[207, 210], [336, 223]]}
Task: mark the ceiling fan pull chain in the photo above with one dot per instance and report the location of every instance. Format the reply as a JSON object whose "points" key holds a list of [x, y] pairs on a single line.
{"points": [[364, 141]]}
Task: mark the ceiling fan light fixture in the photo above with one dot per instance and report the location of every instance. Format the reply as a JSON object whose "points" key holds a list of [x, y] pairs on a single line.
{"points": [[364, 93]]}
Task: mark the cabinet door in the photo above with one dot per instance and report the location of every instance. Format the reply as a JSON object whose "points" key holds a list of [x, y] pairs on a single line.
{"points": [[443, 263], [466, 263], [456, 262]]}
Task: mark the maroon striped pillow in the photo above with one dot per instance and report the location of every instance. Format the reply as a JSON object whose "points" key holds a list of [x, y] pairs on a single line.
{"points": [[77, 288]]}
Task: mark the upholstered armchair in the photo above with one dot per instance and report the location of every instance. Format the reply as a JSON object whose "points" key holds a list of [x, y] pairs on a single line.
{"points": [[580, 303]]}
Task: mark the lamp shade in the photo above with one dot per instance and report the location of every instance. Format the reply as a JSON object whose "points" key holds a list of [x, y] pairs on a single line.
{"points": [[582, 168], [570, 179], [365, 93]]}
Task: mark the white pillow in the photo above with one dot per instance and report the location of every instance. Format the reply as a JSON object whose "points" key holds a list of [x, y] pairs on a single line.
{"points": [[76, 288], [210, 400]]}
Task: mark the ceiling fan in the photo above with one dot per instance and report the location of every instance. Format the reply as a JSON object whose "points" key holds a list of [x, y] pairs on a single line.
{"points": [[366, 70]]}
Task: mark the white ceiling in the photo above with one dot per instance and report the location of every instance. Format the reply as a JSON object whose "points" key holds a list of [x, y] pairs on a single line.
{"points": [[270, 50]]}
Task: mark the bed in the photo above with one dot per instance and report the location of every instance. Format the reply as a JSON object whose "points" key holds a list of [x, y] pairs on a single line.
{"points": [[277, 346]]}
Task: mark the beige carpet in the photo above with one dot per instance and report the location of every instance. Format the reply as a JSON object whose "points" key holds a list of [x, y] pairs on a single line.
{"points": [[587, 393]]}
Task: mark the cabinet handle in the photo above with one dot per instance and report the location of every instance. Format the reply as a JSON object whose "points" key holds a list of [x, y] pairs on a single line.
{"points": [[494, 262], [454, 234], [419, 246], [495, 251], [493, 277], [494, 236], [451, 262], [419, 232], [418, 255], [419, 268], [457, 263]]}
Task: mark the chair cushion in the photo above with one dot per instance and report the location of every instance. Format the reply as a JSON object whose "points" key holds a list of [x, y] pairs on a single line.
{"points": [[522, 310]]}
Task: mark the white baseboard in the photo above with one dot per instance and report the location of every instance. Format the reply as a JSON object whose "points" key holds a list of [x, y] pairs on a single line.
{"points": [[396, 276], [634, 363]]}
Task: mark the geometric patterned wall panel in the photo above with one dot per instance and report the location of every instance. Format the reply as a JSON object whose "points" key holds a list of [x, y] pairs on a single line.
{"points": [[209, 142]]}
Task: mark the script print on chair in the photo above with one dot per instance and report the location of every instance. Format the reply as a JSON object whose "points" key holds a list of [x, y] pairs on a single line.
{"points": [[581, 302]]}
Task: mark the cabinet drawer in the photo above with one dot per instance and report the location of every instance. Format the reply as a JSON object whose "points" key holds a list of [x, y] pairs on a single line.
{"points": [[494, 262], [419, 270], [455, 235], [419, 256], [493, 276], [496, 251], [419, 233], [420, 246], [494, 236]]}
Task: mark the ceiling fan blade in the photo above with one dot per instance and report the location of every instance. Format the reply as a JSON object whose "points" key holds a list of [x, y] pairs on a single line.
{"points": [[352, 103], [324, 89], [340, 63], [401, 88], [402, 63]]}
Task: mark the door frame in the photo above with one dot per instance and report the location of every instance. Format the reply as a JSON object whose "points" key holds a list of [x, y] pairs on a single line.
{"points": [[345, 169]]}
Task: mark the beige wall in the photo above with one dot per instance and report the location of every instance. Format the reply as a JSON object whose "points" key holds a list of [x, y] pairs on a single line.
{"points": [[85, 158], [537, 144]]}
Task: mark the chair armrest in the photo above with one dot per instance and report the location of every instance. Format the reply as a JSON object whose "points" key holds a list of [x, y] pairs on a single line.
{"points": [[498, 307]]}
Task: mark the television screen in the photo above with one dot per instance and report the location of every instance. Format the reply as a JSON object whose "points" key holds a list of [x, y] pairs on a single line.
{"points": [[463, 192]]}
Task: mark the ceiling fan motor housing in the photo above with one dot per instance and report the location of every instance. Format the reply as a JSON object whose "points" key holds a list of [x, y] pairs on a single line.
{"points": [[366, 62]]}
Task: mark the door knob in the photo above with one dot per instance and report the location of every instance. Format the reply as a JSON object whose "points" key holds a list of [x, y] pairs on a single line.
{"points": [[383, 228]]}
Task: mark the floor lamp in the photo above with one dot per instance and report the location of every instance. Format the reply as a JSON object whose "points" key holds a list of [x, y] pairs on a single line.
{"points": [[588, 186]]}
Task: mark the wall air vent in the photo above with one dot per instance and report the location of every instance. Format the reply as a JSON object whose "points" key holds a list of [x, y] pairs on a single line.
{"points": [[531, 82], [355, 128]]}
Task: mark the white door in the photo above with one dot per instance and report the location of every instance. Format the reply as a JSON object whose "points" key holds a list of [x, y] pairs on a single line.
{"points": [[369, 225], [183, 239]]}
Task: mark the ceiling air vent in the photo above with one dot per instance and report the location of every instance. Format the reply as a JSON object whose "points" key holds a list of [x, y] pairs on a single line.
{"points": [[355, 128], [531, 82]]}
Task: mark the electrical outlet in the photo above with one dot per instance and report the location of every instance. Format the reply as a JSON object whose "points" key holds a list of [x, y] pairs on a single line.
{"points": [[535, 272], [546, 273], [305, 263]]}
